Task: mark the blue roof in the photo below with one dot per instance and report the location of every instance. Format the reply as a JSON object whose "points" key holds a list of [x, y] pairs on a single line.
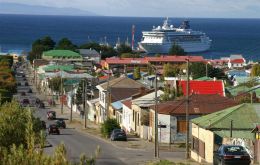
{"points": [[238, 73], [117, 105]]}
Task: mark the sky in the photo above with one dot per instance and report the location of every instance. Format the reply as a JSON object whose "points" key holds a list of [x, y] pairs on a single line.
{"points": [[158, 8]]}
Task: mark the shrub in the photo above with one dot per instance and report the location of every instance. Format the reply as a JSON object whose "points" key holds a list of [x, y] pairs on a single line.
{"points": [[108, 126]]}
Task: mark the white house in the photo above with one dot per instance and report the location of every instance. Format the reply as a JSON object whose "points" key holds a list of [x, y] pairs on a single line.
{"points": [[127, 115], [236, 61]]}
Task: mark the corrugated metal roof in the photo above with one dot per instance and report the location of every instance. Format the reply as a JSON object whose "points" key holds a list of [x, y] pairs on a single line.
{"points": [[244, 116], [235, 134], [205, 78], [62, 53], [50, 68], [117, 105]]}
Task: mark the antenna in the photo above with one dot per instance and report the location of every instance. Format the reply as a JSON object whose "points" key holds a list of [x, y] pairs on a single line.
{"points": [[133, 36]]}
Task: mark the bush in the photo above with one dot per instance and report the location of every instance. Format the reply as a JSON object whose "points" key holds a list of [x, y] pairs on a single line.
{"points": [[108, 126]]}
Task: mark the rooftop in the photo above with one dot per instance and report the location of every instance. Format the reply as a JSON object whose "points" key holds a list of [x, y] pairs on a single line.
{"points": [[61, 53]]}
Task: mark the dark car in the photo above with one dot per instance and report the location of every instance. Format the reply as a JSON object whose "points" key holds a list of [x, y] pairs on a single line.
{"points": [[61, 124], [51, 115], [118, 134], [231, 154], [23, 93], [43, 124], [26, 84], [25, 102], [30, 91], [41, 105], [53, 129]]}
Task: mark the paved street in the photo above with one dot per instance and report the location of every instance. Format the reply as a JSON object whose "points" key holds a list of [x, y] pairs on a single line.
{"points": [[77, 142]]}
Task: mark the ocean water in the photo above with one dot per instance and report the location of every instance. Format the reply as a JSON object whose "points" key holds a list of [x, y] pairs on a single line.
{"points": [[230, 36]]}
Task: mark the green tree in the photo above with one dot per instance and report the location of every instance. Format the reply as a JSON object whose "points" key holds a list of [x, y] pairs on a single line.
{"points": [[137, 73], [39, 46], [108, 51], [55, 84], [177, 50], [123, 48], [108, 126], [198, 70], [170, 70], [130, 55], [169, 93], [66, 44], [79, 93], [91, 45], [255, 70]]}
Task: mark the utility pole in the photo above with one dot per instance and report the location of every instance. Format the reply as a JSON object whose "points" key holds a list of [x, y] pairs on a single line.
{"points": [[84, 103], [71, 100], [62, 98], [231, 128], [156, 145], [187, 112], [207, 69], [108, 96]]}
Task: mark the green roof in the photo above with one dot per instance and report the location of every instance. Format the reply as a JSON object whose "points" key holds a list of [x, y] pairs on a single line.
{"points": [[245, 117], [205, 78], [236, 90], [71, 81], [62, 53], [50, 68]]}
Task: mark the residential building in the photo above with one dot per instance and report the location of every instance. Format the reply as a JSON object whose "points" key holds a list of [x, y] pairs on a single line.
{"points": [[115, 90], [172, 114], [203, 87], [90, 55], [233, 125], [236, 61]]}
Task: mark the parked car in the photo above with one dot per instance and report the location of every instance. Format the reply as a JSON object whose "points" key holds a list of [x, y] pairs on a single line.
{"points": [[26, 84], [118, 134], [43, 124], [41, 105], [231, 154], [53, 129], [25, 102], [23, 93], [60, 124], [51, 115], [30, 91]]}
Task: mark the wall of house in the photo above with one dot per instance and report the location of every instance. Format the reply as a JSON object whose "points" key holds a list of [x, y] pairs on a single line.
{"points": [[206, 139], [137, 119], [164, 134], [127, 118]]}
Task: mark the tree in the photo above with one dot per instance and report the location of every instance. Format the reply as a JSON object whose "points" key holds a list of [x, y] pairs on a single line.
{"points": [[177, 50], [130, 55], [66, 44], [108, 51], [137, 73], [91, 45], [79, 93], [170, 70], [198, 70], [55, 84], [255, 70], [108, 126], [39, 46], [169, 93], [123, 48]]}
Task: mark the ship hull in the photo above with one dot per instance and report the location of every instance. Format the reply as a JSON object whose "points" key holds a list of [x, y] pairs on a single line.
{"points": [[163, 48]]}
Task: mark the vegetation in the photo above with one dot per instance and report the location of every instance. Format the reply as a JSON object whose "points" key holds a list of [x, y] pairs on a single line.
{"points": [[130, 55], [170, 70], [108, 126], [137, 73], [55, 84], [79, 94], [177, 50], [169, 93], [22, 141], [39, 46], [199, 70], [255, 70], [66, 44], [123, 48]]}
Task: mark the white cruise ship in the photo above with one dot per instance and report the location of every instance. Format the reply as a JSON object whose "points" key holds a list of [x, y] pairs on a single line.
{"points": [[161, 39]]}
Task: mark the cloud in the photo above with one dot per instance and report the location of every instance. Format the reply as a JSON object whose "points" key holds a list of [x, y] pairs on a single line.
{"points": [[175, 8]]}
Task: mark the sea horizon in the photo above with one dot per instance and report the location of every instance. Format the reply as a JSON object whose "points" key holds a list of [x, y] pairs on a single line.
{"points": [[226, 36]]}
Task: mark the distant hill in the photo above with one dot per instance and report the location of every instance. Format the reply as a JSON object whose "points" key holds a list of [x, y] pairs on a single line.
{"points": [[15, 8]]}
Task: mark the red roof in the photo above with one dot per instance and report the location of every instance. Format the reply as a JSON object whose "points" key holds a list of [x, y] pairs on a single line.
{"points": [[204, 87], [127, 103], [238, 61], [146, 60]]}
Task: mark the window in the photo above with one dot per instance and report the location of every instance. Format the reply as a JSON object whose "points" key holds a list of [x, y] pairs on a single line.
{"points": [[198, 146]]}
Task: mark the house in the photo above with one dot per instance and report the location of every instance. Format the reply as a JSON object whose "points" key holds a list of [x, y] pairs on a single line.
{"points": [[61, 56], [233, 125], [90, 55], [118, 89], [203, 87], [236, 61], [127, 116], [172, 114], [140, 113]]}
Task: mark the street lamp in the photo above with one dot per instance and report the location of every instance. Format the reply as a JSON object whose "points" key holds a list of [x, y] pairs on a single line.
{"points": [[187, 111]]}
